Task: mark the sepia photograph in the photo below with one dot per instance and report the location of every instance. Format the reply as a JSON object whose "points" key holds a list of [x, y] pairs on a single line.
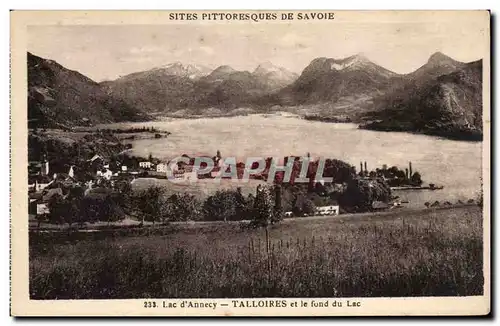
{"points": [[265, 155]]}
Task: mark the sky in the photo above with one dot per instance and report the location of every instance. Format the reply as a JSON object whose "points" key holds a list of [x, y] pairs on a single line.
{"points": [[106, 52]]}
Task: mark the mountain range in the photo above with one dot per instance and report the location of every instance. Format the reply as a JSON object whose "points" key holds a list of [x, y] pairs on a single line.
{"points": [[196, 88], [442, 95]]}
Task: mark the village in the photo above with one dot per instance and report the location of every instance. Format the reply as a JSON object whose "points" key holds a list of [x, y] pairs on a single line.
{"points": [[99, 175]]}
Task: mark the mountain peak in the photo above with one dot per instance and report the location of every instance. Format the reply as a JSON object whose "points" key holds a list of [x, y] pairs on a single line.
{"points": [[221, 73], [266, 65], [360, 57], [177, 68], [224, 68], [439, 57], [354, 62], [274, 76], [173, 64]]}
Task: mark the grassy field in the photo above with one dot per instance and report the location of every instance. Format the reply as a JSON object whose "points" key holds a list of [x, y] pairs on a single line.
{"points": [[415, 253]]}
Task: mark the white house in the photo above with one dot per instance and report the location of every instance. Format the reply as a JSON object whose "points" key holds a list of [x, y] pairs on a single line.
{"points": [[327, 210], [124, 168], [45, 168], [40, 183], [162, 167], [42, 209], [106, 174], [145, 165], [39, 186]]}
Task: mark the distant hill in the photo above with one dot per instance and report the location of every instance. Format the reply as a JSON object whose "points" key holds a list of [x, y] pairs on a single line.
{"points": [[449, 105], [61, 98], [219, 74]]}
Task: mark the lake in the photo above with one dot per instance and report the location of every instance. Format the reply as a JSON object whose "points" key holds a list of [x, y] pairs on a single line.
{"points": [[454, 164]]}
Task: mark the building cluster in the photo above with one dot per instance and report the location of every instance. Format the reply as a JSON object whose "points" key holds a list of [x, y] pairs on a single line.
{"points": [[331, 210], [45, 181]]}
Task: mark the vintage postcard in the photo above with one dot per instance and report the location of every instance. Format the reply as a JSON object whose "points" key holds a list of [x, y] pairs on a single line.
{"points": [[250, 163]]}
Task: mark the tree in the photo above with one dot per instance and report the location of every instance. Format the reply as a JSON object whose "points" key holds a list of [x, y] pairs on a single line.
{"points": [[308, 207], [360, 194], [220, 206], [124, 189], [56, 207], [416, 179], [339, 170], [151, 204], [71, 211], [76, 192], [64, 210], [303, 205], [263, 206], [278, 212], [89, 211], [182, 207], [241, 206], [111, 211], [249, 209]]}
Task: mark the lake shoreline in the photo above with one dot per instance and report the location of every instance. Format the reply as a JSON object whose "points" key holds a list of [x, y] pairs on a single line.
{"points": [[458, 136], [469, 137]]}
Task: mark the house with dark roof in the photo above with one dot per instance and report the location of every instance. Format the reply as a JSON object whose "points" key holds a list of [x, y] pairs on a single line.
{"points": [[39, 182]]}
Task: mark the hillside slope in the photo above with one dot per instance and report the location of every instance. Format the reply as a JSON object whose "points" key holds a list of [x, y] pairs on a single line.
{"points": [[61, 98], [449, 105]]}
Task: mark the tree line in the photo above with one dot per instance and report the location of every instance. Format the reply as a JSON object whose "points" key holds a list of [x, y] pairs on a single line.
{"points": [[153, 205], [267, 206]]}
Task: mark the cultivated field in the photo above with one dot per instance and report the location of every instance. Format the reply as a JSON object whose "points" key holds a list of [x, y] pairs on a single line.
{"points": [[412, 253], [202, 188]]}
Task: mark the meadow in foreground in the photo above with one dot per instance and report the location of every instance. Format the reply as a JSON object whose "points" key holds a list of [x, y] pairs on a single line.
{"points": [[414, 253]]}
